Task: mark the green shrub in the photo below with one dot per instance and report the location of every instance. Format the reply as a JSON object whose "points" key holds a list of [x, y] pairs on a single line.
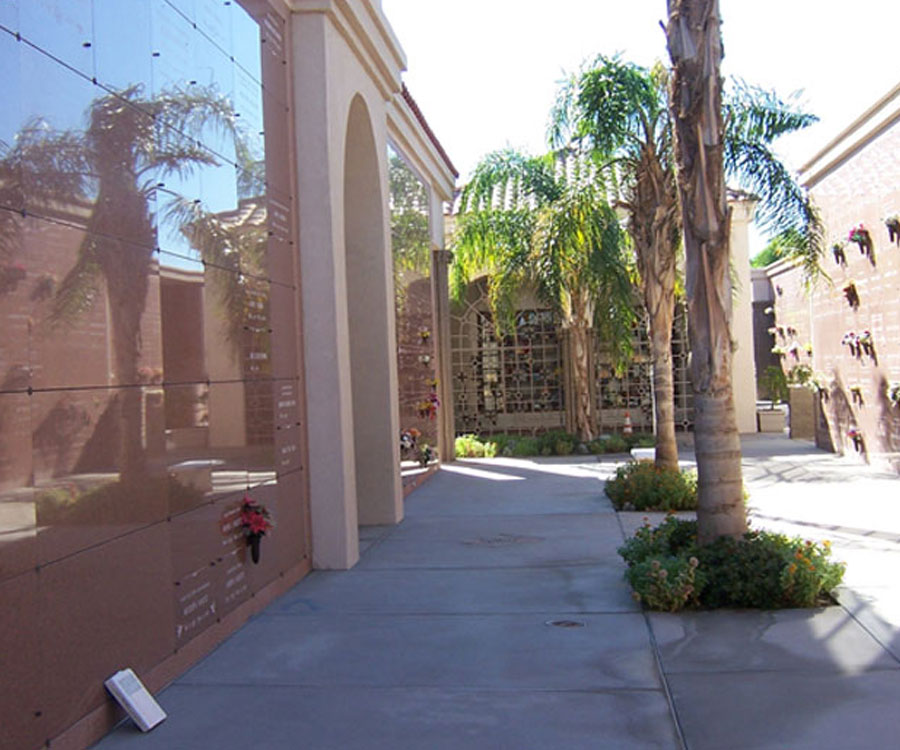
{"points": [[616, 444], [469, 446], [597, 446], [786, 572], [672, 537], [640, 440], [556, 443], [666, 584], [502, 441], [563, 447], [761, 570], [641, 485], [525, 446]]}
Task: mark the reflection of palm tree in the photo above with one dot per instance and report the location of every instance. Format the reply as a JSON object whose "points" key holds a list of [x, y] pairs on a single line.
{"points": [[131, 144], [233, 247]]}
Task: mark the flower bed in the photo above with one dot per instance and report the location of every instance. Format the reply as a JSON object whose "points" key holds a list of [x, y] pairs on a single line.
{"points": [[669, 571]]}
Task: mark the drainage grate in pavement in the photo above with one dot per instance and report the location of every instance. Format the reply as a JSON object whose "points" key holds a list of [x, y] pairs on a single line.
{"points": [[565, 623], [502, 540]]}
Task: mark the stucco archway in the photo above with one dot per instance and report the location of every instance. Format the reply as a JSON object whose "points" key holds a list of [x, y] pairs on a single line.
{"points": [[371, 326]]}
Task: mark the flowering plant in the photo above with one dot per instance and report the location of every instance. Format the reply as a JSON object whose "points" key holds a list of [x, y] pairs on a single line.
{"points": [[852, 340], [254, 518], [867, 342], [427, 408], [408, 439], [426, 455], [860, 235], [893, 393], [852, 295], [837, 249]]}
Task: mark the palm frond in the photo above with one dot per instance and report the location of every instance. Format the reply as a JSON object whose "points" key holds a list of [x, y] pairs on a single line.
{"points": [[754, 114]]}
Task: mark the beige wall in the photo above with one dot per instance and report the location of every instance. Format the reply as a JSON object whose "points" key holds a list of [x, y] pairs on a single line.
{"points": [[743, 367]]}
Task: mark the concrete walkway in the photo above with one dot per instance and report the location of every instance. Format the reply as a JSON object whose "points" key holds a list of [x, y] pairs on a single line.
{"points": [[495, 616]]}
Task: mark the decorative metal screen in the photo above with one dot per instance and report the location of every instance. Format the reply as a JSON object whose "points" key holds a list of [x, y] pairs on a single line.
{"points": [[633, 391], [509, 384], [514, 384]]}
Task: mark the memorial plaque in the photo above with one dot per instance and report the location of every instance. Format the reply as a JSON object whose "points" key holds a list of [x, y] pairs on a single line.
{"points": [[195, 604]]}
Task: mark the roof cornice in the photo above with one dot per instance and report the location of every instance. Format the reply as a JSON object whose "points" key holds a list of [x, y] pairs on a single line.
{"points": [[862, 131], [367, 32]]}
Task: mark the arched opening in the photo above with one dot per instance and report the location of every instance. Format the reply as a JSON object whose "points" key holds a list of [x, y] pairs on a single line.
{"points": [[369, 312]]}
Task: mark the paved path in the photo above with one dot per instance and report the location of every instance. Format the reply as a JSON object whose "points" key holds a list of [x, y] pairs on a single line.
{"points": [[495, 616]]}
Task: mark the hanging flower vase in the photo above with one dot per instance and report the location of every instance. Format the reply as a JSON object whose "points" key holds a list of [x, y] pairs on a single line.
{"points": [[893, 226], [253, 541]]}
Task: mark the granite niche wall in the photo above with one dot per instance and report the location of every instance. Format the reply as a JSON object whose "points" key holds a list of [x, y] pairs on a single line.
{"points": [[149, 373]]}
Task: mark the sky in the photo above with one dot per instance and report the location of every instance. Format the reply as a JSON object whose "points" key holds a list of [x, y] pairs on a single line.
{"points": [[484, 72]]}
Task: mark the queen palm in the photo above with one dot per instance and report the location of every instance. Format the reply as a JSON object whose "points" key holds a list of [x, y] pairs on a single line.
{"points": [[545, 222], [619, 113]]}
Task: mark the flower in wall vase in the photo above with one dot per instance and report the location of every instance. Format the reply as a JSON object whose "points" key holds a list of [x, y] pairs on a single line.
{"points": [[837, 249], [893, 226], [255, 523]]}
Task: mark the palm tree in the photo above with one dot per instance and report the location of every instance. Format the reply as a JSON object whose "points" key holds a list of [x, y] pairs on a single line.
{"points": [[695, 46], [619, 112], [543, 221], [115, 166]]}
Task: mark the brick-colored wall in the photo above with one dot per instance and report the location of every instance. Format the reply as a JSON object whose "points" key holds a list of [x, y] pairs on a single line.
{"points": [[863, 188]]}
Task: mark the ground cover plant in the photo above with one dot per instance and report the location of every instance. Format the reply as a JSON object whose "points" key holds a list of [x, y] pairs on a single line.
{"points": [[551, 443], [669, 571], [642, 485]]}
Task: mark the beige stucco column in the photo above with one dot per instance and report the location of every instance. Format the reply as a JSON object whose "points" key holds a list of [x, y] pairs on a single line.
{"points": [[743, 365], [440, 267], [350, 70]]}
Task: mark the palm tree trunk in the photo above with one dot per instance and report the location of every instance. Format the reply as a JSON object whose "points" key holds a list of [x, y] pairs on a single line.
{"points": [[656, 262], [663, 390], [580, 356], [695, 46], [656, 230]]}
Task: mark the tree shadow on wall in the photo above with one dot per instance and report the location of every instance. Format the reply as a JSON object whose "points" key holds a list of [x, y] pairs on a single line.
{"points": [[888, 424], [843, 420]]}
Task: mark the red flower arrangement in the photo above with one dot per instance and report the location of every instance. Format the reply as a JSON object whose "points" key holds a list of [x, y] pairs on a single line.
{"points": [[255, 523]]}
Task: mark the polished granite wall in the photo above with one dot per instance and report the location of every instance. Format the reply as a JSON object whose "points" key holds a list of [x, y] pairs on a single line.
{"points": [[149, 373]]}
